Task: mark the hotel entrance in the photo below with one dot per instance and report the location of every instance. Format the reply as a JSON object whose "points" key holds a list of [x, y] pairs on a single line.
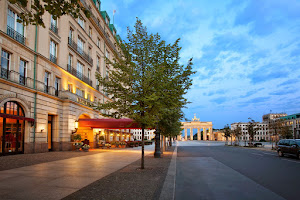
{"points": [[12, 125]]}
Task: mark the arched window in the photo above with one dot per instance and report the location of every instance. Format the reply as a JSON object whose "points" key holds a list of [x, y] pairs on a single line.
{"points": [[11, 128]]}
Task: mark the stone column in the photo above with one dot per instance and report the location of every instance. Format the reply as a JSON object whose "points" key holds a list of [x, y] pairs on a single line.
{"points": [[211, 135], [198, 134], [191, 133], [204, 134], [179, 137], [185, 134]]}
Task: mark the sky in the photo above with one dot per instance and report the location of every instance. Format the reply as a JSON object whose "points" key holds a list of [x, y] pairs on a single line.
{"points": [[246, 53]]}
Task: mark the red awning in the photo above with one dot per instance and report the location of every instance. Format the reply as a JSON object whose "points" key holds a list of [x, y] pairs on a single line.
{"points": [[16, 117], [109, 123]]}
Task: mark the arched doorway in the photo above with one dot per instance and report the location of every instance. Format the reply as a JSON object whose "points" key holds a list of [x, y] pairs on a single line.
{"points": [[12, 127]]}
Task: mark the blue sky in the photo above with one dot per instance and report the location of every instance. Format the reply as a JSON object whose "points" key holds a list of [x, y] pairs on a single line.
{"points": [[246, 53]]}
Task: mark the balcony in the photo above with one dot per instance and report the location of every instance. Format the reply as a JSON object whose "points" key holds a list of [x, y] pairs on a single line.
{"points": [[28, 82], [54, 28], [53, 58], [80, 51], [74, 97], [79, 75], [15, 35]]}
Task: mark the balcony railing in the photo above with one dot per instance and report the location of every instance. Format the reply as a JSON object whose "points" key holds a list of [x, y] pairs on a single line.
{"points": [[22, 79], [80, 51], [53, 59], [4, 73], [15, 35], [54, 28], [46, 89], [79, 75]]}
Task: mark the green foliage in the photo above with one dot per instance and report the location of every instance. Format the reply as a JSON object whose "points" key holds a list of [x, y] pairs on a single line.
{"points": [[33, 13], [252, 129], [77, 137], [227, 132]]}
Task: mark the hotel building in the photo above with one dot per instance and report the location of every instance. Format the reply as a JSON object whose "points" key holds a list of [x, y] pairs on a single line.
{"points": [[47, 79], [261, 131]]}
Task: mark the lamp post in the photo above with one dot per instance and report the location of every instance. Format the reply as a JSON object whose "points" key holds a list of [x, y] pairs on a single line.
{"points": [[157, 153]]}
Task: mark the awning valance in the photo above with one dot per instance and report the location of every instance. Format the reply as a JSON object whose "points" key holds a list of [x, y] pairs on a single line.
{"points": [[109, 123], [16, 117]]}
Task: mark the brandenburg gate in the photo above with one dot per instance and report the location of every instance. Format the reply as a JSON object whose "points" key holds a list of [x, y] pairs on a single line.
{"points": [[197, 124]]}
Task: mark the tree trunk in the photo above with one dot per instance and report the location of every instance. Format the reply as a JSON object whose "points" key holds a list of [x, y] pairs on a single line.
{"points": [[157, 153], [143, 151]]}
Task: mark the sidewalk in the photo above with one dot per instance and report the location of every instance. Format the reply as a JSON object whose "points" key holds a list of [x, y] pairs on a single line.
{"points": [[58, 179]]}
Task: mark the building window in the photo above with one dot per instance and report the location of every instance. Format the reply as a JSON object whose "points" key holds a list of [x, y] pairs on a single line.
{"points": [[90, 51], [88, 96], [5, 58], [98, 42], [22, 71], [80, 45], [53, 50], [56, 86], [80, 92], [53, 25], [70, 62], [98, 5], [98, 63], [81, 22], [47, 82], [71, 33], [90, 31], [107, 54], [89, 74], [79, 70], [14, 28], [70, 88]]}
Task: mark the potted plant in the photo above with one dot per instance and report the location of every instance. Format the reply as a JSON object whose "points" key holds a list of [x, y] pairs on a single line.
{"points": [[108, 145], [77, 144], [85, 147], [113, 144], [122, 144], [130, 144]]}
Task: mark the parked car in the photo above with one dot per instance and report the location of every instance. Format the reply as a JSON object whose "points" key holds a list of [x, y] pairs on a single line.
{"points": [[289, 147]]}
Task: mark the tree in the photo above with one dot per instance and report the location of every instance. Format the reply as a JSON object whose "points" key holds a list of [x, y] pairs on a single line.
{"points": [[227, 132], [251, 130], [147, 82], [286, 132], [237, 133], [33, 13]]}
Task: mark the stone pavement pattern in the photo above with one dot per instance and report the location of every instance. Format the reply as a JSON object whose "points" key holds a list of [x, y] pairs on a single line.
{"points": [[57, 179]]}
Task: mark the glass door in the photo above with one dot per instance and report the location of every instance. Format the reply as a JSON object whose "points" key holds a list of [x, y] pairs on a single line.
{"points": [[10, 135], [1, 134]]}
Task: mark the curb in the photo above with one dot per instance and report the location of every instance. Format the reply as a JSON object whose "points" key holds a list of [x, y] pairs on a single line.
{"points": [[168, 190]]}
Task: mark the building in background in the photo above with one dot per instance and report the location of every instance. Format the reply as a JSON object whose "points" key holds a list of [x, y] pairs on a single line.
{"points": [[272, 116], [293, 122], [261, 128], [137, 134], [47, 78]]}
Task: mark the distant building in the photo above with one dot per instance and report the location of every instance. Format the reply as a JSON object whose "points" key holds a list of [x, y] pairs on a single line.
{"points": [[272, 116], [261, 130], [149, 134], [293, 121]]}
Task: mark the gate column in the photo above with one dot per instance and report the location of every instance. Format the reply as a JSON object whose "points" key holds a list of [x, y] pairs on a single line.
{"points": [[185, 134], [198, 134], [204, 134], [191, 133]]}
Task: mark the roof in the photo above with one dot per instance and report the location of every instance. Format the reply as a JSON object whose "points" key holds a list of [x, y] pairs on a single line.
{"points": [[109, 123]]}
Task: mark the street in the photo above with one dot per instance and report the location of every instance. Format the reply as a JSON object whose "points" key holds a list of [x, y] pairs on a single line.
{"points": [[210, 170]]}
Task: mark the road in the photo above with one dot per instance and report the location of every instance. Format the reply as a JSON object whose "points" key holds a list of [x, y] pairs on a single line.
{"points": [[210, 170]]}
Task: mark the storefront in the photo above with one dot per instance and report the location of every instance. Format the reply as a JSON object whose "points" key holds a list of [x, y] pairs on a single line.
{"points": [[12, 128]]}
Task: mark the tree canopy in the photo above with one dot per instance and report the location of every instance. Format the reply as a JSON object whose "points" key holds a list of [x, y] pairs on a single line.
{"points": [[33, 13]]}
